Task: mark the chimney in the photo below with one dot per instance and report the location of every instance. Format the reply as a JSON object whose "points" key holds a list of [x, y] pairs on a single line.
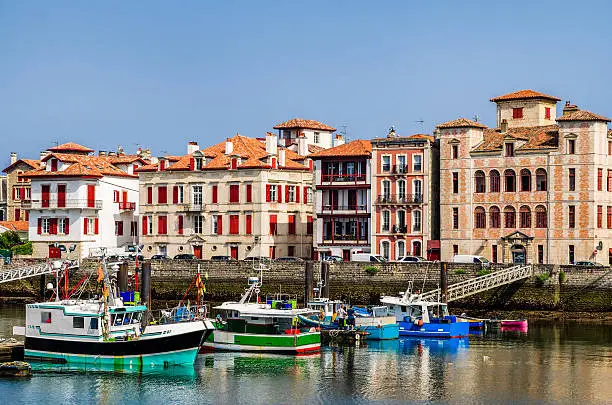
{"points": [[154, 160], [569, 108], [192, 147], [102, 153], [339, 140], [229, 146], [302, 145], [281, 157], [271, 144], [504, 126], [112, 153], [13, 157]]}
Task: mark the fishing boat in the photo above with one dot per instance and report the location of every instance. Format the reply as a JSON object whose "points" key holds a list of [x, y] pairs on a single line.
{"points": [[475, 323], [261, 326], [419, 318], [105, 331]]}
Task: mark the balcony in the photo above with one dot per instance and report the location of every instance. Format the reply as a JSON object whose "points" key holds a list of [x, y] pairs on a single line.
{"points": [[126, 206], [402, 229], [61, 204], [391, 199], [349, 239], [351, 207], [192, 207], [343, 178]]}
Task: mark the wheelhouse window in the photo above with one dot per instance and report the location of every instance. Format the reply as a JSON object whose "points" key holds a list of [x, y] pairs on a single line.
{"points": [[45, 317], [78, 322]]}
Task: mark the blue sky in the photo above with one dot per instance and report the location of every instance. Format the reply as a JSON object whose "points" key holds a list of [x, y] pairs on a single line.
{"points": [[159, 73]]}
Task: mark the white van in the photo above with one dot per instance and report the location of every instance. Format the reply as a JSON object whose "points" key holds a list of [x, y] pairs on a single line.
{"points": [[367, 257], [472, 259]]}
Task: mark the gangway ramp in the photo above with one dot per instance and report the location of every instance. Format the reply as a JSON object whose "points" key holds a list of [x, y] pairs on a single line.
{"points": [[482, 283], [20, 273]]}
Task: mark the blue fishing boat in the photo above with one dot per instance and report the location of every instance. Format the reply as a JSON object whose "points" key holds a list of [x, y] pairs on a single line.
{"points": [[419, 318]]}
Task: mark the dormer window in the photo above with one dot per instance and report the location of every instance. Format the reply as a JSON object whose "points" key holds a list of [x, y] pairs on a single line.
{"points": [[53, 165], [316, 137], [234, 163], [198, 163], [162, 165], [517, 113], [509, 149]]}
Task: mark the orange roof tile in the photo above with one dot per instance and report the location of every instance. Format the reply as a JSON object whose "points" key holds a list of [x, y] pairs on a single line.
{"points": [[70, 147], [34, 164], [354, 148], [80, 165], [582, 115], [126, 159], [544, 137], [147, 168], [524, 94], [18, 226], [461, 123], [430, 138], [301, 123]]}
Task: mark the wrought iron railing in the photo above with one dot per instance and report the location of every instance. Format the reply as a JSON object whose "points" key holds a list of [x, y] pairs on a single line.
{"points": [[62, 203], [399, 199]]}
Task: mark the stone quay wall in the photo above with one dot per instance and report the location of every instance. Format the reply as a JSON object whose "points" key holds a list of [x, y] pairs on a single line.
{"points": [[552, 288]]}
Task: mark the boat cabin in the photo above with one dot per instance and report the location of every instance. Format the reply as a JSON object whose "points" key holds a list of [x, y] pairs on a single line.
{"points": [[415, 310]]}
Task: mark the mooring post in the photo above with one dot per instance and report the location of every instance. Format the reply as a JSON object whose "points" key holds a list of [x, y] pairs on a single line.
{"points": [[443, 282], [43, 287], [123, 277], [325, 279], [145, 292], [309, 281]]}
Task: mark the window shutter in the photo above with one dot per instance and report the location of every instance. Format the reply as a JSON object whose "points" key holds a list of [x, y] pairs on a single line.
{"points": [[191, 163], [249, 224], [96, 226], [85, 230], [249, 192], [267, 193], [149, 195], [67, 226], [175, 195], [22, 193], [53, 226], [180, 225], [145, 227], [286, 193], [214, 193], [305, 195], [39, 231], [220, 225], [297, 194], [279, 193], [120, 228], [14, 193]]}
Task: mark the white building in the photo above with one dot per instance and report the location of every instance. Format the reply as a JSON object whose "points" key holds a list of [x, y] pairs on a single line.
{"points": [[318, 136], [82, 200]]}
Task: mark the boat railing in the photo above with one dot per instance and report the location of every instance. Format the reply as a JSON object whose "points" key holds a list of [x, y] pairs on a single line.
{"points": [[179, 314]]}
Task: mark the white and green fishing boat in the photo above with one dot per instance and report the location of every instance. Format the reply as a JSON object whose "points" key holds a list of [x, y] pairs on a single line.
{"points": [[246, 326]]}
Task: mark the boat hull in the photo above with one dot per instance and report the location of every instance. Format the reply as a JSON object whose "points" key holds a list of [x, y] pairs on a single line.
{"points": [[382, 332], [151, 349], [248, 342], [434, 330]]}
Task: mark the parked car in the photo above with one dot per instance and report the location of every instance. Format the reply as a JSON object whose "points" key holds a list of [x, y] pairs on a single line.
{"points": [[472, 259], [289, 259], [367, 257], [222, 258], [257, 259], [133, 257], [588, 263], [159, 257], [333, 259], [185, 256], [412, 259]]}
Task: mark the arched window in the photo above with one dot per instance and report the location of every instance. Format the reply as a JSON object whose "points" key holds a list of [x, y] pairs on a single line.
{"points": [[541, 217], [416, 248], [510, 181], [401, 249], [384, 249], [416, 221], [494, 181], [509, 217], [479, 181], [541, 180], [494, 217], [480, 218], [525, 214], [525, 180], [401, 190]]}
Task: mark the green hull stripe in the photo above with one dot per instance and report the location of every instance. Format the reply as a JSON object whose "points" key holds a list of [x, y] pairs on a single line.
{"points": [[277, 340], [186, 356]]}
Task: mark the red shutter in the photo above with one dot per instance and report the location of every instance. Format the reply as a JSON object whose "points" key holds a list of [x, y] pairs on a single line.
{"points": [[249, 192], [145, 227], [120, 228], [27, 215], [67, 225], [286, 193], [162, 229], [85, 230], [96, 226], [162, 195], [149, 195], [39, 230], [175, 195], [191, 164], [53, 226], [305, 195], [219, 224], [22, 193], [214, 193], [180, 225], [273, 229], [267, 193], [249, 224], [279, 193], [234, 224], [297, 194], [91, 196], [14, 193]]}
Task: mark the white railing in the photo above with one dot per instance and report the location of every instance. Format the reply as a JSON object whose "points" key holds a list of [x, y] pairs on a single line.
{"points": [[20, 273], [479, 284]]}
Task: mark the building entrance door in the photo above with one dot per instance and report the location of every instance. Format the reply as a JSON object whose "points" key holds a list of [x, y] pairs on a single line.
{"points": [[234, 252], [197, 251], [518, 254], [346, 255]]}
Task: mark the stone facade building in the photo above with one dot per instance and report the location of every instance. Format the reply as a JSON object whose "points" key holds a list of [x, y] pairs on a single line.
{"points": [[343, 200], [17, 187], [405, 197], [3, 198], [536, 189], [245, 197]]}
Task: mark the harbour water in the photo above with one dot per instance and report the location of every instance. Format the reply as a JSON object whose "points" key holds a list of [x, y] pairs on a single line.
{"points": [[569, 362]]}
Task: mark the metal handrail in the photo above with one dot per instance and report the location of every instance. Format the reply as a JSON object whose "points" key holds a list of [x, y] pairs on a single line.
{"points": [[399, 199], [337, 177], [350, 207], [32, 271], [62, 203]]}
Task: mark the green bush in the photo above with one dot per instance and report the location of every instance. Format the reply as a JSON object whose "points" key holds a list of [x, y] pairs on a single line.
{"points": [[541, 279], [483, 272], [561, 276], [372, 270], [24, 249], [460, 271]]}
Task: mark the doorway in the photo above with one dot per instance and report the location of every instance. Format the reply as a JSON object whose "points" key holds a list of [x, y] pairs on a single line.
{"points": [[197, 251], [234, 252], [346, 255], [518, 254]]}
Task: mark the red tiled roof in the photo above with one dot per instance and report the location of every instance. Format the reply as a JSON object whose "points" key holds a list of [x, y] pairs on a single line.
{"points": [[301, 123], [34, 164], [543, 137], [354, 148], [127, 159], [80, 165], [315, 148], [524, 94], [18, 226], [70, 147], [461, 123], [422, 136], [582, 115], [147, 168]]}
